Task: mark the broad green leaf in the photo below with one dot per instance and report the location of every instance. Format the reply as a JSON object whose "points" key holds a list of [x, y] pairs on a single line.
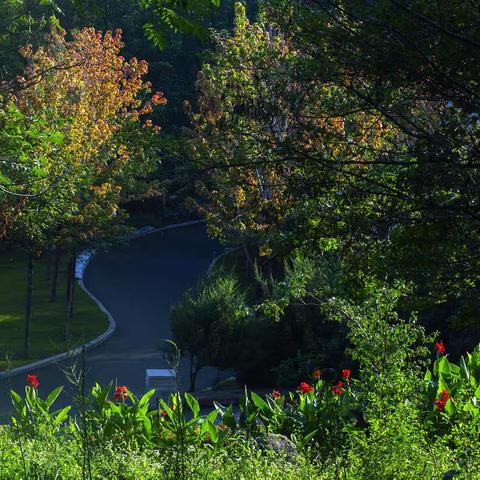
{"points": [[212, 416], [477, 393], [444, 366], [193, 404], [144, 400], [62, 415], [53, 396], [103, 395], [212, 430], [258, 401], [449, 407]]}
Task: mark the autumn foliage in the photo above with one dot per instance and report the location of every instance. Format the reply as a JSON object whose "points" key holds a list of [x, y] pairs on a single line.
{"points": [[89, 83], [81, 83]]}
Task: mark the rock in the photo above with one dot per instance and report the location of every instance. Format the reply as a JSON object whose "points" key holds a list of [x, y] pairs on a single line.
{"points": [[226, 384], [451, 474], [278, 444]]}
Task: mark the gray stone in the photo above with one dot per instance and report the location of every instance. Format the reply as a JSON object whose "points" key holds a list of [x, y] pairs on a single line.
{"points": [[278, 443]]}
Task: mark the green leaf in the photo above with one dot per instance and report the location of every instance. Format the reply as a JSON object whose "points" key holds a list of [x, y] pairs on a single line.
{"points": [[103, 395], [53, 396], [155, 35], [62, 415], [193, 404], [477, 393], [351, 429], [212, 416], [444, 366], [144, 400], [56, 138], [147, 424], [212, 430], [309, 436], [258, 401], [449, 407], [54, 21], [464, 368], [17, 400]]}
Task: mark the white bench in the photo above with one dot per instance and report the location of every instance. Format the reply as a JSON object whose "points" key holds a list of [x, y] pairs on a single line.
{"points": [[161, 379]]}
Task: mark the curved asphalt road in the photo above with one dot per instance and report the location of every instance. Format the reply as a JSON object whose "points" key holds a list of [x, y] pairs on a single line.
{"points": [[137, 284]]}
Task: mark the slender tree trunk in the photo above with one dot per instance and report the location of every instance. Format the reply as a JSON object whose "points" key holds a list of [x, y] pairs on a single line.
{"points": [[54, 280], [48, 270], [194, 369], [70, 293], [248, 261], [28, 306], [72, 285]]}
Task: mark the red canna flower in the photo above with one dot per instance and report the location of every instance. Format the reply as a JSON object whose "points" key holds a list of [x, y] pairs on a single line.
{"points": [[276, 394], [317, 373], [305, 388], [337, 389], [440, 347], [442, 400], [121, 393], [32, 380], [163, 413], [346, 374]]}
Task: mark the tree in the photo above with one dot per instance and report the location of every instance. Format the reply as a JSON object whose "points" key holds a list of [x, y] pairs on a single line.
{"points": [[207, 324], [67, 183], [255, 121], [371, 153]]}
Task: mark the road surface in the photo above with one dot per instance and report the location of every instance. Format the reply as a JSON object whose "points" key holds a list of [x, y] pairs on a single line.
{"points": [[137, 283]]}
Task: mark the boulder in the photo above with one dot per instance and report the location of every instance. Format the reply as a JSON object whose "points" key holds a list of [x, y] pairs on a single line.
{"points": [[279, 444]]}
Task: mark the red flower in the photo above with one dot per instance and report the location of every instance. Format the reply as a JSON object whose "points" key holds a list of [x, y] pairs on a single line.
{"points": [[337, 389], [276, 394], [163, 413], [317, 373], [346, 374], [32, 380], [442, 400], [440, 347], [305, 388], [121, 393]]}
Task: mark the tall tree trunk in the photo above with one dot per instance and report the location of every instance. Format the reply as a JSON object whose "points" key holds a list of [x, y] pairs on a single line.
{"points": [[48, 269], [70, 293], [194, 369], [28, 306], [248, 262], [54, 280]]}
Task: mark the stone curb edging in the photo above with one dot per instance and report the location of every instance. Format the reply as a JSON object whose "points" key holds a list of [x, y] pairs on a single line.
{"points": [[219, 257], [111, 321]]}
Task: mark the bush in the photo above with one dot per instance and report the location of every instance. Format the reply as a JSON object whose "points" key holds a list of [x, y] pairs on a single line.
{"points": [[401, 417], [208, 324]]}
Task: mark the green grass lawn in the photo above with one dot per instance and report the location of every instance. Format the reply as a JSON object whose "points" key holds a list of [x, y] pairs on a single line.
{"points": [[48, 319]]}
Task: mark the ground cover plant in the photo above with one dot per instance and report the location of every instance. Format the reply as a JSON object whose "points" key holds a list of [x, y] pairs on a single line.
{"points": [[408, 412]]}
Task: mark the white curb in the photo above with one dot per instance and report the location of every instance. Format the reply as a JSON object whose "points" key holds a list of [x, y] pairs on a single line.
{"points": [[83, 260]]}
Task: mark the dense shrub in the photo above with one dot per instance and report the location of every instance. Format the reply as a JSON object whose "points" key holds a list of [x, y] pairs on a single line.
{"points": [[401, 416], [385, 426], [208, 323]]}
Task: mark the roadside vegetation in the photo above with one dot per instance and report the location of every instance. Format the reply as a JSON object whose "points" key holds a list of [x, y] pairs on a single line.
{"points": [[410, 413], [49, 317], [333, 147]]}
